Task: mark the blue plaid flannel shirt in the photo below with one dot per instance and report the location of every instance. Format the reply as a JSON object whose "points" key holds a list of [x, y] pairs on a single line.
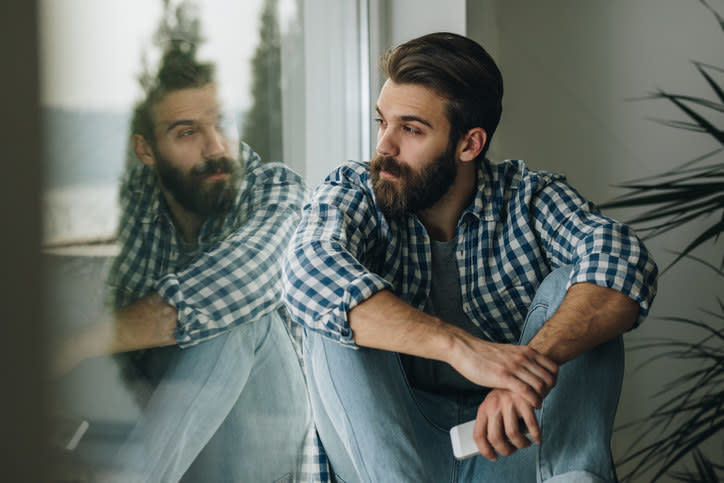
{"points": [[234, 279], [520, 226]]}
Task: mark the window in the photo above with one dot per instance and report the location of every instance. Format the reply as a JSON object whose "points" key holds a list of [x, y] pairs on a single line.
{"points": [[92, 54], [295, 93]]}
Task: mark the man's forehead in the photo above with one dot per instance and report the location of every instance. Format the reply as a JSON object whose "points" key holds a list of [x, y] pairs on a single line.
{"points": [[411, 102], [193, 103]]}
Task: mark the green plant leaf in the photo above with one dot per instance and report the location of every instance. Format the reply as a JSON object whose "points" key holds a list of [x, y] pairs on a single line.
{"points": [[714, 86], [698, 119]]}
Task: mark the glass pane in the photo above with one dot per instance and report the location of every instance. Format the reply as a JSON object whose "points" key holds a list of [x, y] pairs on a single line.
{"points": [[99, 61]]}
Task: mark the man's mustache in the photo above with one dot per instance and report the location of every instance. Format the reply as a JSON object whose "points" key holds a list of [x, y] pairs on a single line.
{"points": [[213, 166], [387, 163]]}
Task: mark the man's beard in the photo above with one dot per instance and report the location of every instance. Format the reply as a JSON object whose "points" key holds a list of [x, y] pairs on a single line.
{"points": [[193, 193], [412, 191]]}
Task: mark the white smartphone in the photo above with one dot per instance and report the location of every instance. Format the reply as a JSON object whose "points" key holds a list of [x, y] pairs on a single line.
{"points": [[462, 440]]}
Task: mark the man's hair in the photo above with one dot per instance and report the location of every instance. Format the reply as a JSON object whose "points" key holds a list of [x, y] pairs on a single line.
{"points": [[179, 70], [457, 69]]}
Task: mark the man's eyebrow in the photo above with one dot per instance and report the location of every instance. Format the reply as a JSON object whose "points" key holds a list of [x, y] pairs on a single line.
{"points": [[408, 118], [180, 122]]}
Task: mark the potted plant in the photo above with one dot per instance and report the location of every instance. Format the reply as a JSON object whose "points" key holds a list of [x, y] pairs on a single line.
{"points": [[692, 407]]}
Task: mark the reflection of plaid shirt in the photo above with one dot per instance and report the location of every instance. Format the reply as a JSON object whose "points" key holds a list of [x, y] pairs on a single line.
{"points": [[234, 278], [520, 225]]}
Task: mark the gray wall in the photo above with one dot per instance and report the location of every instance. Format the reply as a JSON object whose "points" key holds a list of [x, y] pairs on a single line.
{"points": [[569, 67]]}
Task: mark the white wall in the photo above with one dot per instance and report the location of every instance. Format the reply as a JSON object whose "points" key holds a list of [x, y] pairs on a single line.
{"points": [[569, 67], [411, 18]]}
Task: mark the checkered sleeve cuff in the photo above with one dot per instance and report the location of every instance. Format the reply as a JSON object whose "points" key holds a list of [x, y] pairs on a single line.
{"points": [[340, 279], [612, 256]]}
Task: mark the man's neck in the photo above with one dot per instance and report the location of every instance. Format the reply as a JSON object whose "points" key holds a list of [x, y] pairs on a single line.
{"points": [[441, 219], [188, 224]]}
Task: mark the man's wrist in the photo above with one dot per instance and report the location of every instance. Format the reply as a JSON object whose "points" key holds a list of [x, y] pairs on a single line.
{"points": [[454, 344]]}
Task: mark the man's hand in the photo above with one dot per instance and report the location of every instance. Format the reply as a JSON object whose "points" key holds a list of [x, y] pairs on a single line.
{"points": [[519, 369], [386, 322], [501, 423], [146, 323]]}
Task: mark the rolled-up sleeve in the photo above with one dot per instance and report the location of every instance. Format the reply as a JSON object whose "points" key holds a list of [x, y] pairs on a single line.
{"points": [[325, 271], [602, 251]]}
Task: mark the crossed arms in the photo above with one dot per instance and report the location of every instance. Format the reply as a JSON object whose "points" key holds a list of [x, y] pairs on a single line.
{"points": [[520, 375]]}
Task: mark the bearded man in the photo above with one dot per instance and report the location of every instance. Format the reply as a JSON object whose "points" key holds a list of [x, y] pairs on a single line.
{"points": [[196, 295], [436, 287]]}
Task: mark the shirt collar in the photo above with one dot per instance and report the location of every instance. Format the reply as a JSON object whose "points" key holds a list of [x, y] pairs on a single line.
{"points": [[484, 204]]}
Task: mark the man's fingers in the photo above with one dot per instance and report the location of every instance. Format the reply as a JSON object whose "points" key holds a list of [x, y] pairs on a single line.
{"points": [[513, 429], [538, 379], [480, 435], [497, 437], [527, 392], [535, 374], [536, 384], [531, 423], [546, 363], [545, 369]]}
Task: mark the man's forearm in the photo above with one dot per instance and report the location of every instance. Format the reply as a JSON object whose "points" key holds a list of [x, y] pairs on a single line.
{"points": [[588, 316], [386, 322], [146, 323]]}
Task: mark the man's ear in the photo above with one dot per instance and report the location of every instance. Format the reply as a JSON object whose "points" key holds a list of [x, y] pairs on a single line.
{"points": [[472, 144], [143, 150]]}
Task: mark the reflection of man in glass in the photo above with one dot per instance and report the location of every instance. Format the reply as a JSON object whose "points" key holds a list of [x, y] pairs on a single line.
{"points": [[203, 226]]}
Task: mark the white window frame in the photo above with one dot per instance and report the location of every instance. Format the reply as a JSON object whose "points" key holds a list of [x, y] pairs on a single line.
{"points": [[330, 118]]}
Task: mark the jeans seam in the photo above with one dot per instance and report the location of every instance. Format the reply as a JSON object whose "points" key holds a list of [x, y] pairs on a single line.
{"points": [[456, 463], [411, 393], [269, 319]]}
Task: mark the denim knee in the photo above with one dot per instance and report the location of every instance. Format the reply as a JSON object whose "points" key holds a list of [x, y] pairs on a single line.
{"points": [[547, 299]]}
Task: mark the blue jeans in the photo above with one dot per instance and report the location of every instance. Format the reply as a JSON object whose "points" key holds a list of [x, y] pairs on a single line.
{"points": [[375, 427], [233, 408]]}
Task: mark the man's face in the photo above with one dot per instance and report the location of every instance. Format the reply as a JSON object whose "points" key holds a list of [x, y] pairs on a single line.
{"points": [[415, 163], [196, 151]]}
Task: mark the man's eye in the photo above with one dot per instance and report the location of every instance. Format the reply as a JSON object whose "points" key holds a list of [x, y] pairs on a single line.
{"points": [[411, 130], [379, 121], [185, 133]]}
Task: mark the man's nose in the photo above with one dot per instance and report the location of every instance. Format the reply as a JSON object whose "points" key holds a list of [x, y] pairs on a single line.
{"points": [[215, 143], [387, 143]]}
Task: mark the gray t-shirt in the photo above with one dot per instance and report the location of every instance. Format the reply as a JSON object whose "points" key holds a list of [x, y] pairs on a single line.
{"points": [[187, 252], [445, 302]]}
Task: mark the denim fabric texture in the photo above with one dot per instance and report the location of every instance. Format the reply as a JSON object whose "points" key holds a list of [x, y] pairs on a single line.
{"points": [[376, 427]]}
